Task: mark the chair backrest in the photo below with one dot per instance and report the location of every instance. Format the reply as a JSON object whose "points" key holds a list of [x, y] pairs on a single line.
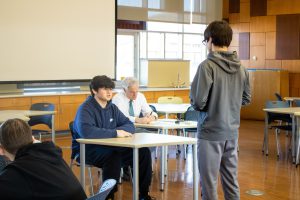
{"points": [[43, 119], [104, 190], [297, 103], [191, 114], [278, 97], [73, 154], [277, 116], [170, 99]]}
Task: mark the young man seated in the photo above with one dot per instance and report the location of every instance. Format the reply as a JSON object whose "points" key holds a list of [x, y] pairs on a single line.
{"points": [[97, 117], [38, 170]]}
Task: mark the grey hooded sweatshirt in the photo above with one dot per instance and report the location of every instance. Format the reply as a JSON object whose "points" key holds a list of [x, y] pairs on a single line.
{"points": [[219, 89]]}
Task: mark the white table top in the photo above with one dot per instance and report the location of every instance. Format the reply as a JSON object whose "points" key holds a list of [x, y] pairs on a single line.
{"points": [[4, 117], [289, 110], [291, 98], [171, 107], [27, 113], [168, 124], [139, 140]]}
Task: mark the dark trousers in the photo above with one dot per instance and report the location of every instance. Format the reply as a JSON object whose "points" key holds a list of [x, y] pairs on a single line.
{"points": [[111, 159]]}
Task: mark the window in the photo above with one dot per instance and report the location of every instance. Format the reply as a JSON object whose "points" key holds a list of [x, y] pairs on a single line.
{"points": [[131, 3], [161, 41]]}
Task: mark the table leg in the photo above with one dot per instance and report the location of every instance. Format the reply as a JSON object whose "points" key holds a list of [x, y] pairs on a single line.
{"points": [[266, 135], [53, 128], [82, 165], [135, 174], [162, 169], [195, 172], [297, 142], [293, 137], [166, 155]]}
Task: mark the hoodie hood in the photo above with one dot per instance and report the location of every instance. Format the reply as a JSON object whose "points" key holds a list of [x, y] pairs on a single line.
{"points": [[40, 151], [91, 100], [226, 60]]}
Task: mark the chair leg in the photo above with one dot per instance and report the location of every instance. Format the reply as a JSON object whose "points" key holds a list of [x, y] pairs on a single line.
{"points": [[121, 175], [130, 174], [91, 180], [277, 142]]}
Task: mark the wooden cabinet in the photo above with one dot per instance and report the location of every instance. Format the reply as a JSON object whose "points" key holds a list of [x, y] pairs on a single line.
{"points": [[66, 105], [67, 109], [16, 103], [264, 84], [184, 94], [149, 96]]}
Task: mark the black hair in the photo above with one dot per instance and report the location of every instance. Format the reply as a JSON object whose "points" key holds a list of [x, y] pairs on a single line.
{"points": [[101, 82], [220, 32]]}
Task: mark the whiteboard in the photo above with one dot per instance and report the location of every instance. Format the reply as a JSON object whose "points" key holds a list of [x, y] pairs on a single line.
{"points": [[56, 39]]}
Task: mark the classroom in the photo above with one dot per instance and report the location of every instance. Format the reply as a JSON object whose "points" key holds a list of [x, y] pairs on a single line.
{"points": [[150, 99]]}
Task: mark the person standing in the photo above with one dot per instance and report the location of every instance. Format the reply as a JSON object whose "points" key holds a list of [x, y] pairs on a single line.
{"points": [[219, 89]]}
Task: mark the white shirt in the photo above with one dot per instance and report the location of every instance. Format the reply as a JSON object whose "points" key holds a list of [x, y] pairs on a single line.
{"points": [[140, 105]]}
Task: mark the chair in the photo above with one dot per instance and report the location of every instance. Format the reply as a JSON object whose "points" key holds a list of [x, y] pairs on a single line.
{"points": [[297, 103], [278, 97], [279, 118], [75, 156], [104, 190], [43, 119], [170, 99], [190, 115]]}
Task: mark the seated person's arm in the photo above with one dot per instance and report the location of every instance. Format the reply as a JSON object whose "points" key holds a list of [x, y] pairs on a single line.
{"points": [[123, 123]]}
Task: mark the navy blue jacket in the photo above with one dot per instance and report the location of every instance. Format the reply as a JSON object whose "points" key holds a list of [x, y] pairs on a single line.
{"points": [[94, 122]]}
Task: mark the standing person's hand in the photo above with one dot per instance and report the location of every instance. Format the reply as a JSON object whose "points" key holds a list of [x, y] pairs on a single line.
{"points": [[122, 133]]}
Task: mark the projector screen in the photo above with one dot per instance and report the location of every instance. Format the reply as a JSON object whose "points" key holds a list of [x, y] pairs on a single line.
{"points": [[56, 39]]}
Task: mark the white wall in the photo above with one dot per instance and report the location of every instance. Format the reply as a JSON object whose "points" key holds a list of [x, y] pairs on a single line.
{"points": [[56, 39]]}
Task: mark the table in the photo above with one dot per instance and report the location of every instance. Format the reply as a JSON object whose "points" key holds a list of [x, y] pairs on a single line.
{"points": [[291, 99], [4, 117], [25, 114], [291, 111], [138, 141], [171, 108], [166, 124]]}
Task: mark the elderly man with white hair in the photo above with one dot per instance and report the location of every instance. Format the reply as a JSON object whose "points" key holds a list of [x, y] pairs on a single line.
{"points": [[132, 103]]}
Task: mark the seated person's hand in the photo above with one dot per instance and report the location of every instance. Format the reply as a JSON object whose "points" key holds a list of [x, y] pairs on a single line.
{"points": [[143, 120], [152, 118], [122, 133]]}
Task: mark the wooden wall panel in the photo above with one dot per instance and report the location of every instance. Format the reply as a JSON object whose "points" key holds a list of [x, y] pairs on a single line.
{"points": [[234, 18], [235, 27], [245, 12], [263, 24], [225, 10], [287, 37], [234, 6], [260, 53], [244, 27], [244, 51], [270, 45], [257, 39], [291, 65], [279, 7], [271, 64], [235, 39], [258, 8]]}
